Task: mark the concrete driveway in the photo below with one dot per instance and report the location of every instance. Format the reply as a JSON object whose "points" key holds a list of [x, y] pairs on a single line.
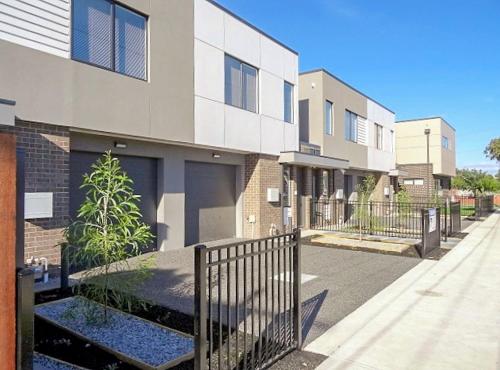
{"points": [[340, 281]]}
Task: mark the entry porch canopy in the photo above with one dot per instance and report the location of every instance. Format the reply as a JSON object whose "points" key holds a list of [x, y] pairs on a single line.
{"points": [[311, 160]]}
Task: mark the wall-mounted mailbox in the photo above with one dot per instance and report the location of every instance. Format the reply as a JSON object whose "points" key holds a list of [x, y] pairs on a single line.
{"points": [[38, 205], [387, 191], [273, 195]]}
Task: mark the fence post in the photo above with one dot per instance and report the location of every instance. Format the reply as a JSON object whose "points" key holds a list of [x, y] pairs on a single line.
{"points": [[477, 207], [297, 301], [64, 266], [25, 320], [446, 220], [370, 217], [200, 307]]}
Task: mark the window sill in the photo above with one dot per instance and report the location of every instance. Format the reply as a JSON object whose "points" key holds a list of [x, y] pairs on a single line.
{"points": [[107, 69]]}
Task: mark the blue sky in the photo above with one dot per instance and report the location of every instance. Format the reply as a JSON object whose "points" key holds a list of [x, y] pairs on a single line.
{"points": [[420, 58]]}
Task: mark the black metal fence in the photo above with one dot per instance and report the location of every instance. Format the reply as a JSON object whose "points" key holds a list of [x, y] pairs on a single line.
{"points": [[395, 219], [247, 303], [374, 218], [483, 206]]}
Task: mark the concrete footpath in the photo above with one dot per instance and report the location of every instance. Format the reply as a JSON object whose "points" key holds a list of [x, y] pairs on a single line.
{"points": [[439, 315]]}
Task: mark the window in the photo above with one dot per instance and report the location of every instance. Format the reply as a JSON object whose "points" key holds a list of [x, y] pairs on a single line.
{"points": [[445, 143], [351, 126], [286, 187], [379, 136], [328, 117], [110, 36], [288, 102], [240, 84], [392, 141], [418, 182]]}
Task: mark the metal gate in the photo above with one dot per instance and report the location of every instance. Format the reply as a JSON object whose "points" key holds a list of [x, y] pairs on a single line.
{"points": [[247, 303]]}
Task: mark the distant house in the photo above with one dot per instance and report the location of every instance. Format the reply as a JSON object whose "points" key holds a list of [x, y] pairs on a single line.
{"points": [[418, 176]]}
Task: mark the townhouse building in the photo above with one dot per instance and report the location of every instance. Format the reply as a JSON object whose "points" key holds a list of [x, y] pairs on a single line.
{"points": [[196, 103], [339, 122], [417, 138]]}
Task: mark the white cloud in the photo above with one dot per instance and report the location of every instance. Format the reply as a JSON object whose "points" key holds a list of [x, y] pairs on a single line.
{"points": [[491, 167]]}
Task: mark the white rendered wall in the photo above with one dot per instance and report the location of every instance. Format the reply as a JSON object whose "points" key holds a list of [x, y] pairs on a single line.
{"points": [[385, 159], [216, 124]]}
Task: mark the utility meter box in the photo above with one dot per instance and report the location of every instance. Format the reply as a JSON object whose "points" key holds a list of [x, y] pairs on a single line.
{"points": [[273, 195], [387, 191]]}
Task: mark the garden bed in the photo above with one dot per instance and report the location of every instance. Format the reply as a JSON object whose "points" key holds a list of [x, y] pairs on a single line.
{"points": [[141, 343], [44, 362]]}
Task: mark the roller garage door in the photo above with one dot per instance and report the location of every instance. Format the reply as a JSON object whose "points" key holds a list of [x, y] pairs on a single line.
{"points": [[210, 205], [142, 170]]}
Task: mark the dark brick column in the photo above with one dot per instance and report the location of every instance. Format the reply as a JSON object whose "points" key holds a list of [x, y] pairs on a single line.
{"points": [[46, 170]]}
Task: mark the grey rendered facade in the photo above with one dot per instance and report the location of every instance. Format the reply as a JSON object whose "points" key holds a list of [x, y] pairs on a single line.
{"points": [[65, 113]]}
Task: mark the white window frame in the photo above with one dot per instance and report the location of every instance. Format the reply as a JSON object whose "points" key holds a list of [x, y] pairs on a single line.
{"points": [[445, 142], [114, 4], [349, 130], [379, 139], [328, 125], [292, 106], [242, 65]]}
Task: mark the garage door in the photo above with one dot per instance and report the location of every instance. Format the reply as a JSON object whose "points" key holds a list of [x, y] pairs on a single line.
{"points": [[143, 171], [210, 205]]}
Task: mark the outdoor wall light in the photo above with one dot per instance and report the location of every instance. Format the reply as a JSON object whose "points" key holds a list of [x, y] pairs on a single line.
{"points": [[216, 155], [120, 145]]}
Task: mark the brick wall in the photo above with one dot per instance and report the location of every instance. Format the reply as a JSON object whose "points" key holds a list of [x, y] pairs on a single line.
{"points": [[46, 170], [418, 171], [261, 172], [382, 181]]}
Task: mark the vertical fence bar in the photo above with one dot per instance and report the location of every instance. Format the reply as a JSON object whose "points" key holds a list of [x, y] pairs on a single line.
{"points": [[297, 308], [210, 317], [200, 307], [252, 310], [245, 314], [237, 318], [228, 308], [219, 306], [259, 261]]}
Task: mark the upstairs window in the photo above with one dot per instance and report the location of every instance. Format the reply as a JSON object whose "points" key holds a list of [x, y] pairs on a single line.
{"points": [[240, 84], [110, 36], [351, 126], [328, 117], [288, 102], [445, 142], [379, 132]]}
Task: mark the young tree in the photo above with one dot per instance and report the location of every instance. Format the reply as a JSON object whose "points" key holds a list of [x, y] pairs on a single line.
{"points": [[107, 232], [492, 150], [364, 191]]}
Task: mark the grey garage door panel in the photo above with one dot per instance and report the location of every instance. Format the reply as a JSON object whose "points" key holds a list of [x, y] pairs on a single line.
{"points": [[143, 171], [210, 205]]}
